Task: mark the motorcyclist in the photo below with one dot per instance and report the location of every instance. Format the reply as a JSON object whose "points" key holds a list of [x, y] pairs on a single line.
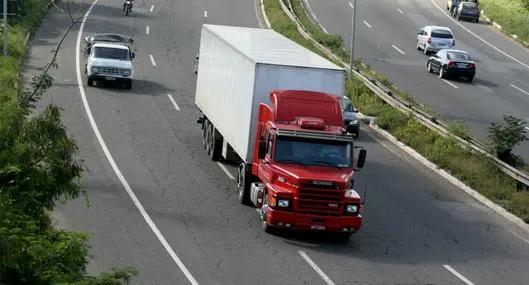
{"points": [[125, 2]]}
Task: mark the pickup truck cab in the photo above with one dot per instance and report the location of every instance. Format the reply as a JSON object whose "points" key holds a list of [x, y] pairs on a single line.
{"points": [[109, 58]]}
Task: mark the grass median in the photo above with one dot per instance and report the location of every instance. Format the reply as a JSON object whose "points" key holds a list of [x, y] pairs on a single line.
{"points": [[31, 14], [511, 15], [476, 171]]}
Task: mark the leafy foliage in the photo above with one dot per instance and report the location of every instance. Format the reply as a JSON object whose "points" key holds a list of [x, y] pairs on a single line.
{"points": [[505, 137], [38, 167]]}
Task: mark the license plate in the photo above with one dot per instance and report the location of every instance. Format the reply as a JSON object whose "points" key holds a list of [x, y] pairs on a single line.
{"points": [[317, 227], [461, 65], [110, 78]]}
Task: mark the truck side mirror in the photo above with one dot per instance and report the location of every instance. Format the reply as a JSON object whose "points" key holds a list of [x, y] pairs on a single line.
{"points": [[361, 158], [262, 148]]}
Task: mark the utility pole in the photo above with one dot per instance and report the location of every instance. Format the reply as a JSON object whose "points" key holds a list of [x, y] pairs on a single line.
{"points": [[352, 48], [5, 28]]}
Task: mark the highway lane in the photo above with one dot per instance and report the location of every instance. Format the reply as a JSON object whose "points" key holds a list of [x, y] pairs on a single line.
{"points": [[392, 28], [158, 149]]}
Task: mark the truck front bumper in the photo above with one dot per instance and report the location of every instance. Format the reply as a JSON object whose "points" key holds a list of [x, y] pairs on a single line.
{"points": [[290, 220], [109, 78]]}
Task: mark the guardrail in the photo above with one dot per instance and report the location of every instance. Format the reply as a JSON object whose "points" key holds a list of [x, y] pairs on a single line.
{"points": [[404, 106]]}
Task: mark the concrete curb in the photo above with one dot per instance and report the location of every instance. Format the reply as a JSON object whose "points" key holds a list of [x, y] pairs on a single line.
{"points": [[263, 11], [441, 172], [499, 28]]}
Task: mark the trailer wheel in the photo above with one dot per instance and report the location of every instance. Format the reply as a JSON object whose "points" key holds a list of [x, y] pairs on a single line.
{"points": [[204, 131], [214, 144], [243, 184], [206, 136]]}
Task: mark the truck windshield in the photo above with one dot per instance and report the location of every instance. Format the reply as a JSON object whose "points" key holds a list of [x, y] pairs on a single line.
{"points": [[111, 53], [313, 152]]}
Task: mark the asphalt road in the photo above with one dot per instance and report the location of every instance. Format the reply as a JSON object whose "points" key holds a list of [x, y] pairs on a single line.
{"points": [[418, 228], [386, 40]]}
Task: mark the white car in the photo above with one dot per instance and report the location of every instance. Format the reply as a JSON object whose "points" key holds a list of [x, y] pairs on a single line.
{"points": [[109, 57], [435, 38]]}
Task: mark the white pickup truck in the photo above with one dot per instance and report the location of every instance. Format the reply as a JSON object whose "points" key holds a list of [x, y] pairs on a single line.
{"points": [[109, 57]]}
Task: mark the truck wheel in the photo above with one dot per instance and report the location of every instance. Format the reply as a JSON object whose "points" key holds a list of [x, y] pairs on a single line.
{"points": [[243, 184], [343, 237], [90, 82], [128, 84], [214, 144], [204, 131], [206, 136], [264, 223]]}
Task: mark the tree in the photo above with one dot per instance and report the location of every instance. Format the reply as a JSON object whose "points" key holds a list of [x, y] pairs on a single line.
{"points": [[505, 137], [38, 167]]}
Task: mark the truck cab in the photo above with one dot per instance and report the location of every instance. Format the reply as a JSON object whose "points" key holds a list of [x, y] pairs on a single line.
{"points": [[109, 58], [303, 168]]}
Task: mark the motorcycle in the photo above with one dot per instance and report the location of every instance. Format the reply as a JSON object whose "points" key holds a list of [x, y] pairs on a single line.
{"points": [[128, 7]]}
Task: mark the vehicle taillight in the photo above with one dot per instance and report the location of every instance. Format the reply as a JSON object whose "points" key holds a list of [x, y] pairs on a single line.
{"points": [[429, 40], [451, 63], [471, 66]]}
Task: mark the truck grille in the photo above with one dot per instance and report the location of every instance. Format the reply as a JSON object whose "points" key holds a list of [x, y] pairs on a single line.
{"points": [[113, 70], [323, 198]]}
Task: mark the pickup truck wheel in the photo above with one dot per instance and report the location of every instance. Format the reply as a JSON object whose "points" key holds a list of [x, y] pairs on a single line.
{"points": [[243, 184], [128, 84], [90, 82]]}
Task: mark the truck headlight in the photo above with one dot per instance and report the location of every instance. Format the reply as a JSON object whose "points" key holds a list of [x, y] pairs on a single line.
{"points": [[351, 209], [126, 72], [96, 69], [283, 203]]}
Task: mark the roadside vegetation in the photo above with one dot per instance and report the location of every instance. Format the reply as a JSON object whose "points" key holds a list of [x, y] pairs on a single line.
{"points": [[38, 168], [475, 170], [512, 15]]}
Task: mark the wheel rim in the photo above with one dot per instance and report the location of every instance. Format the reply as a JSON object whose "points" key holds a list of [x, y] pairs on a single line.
{"points": [[207, 138], [211, 140], [441, 72], [429, 67]]}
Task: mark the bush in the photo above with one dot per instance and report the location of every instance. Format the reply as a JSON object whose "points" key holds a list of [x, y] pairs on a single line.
{"points": [[512, 15]]}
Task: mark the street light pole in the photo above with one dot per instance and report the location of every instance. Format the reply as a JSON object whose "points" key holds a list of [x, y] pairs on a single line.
{"points": [[353, 28], [5, 28]]}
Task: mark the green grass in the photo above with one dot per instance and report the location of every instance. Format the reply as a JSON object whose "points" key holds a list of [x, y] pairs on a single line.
{"points": [[512, 15], [476, 171], [33, 11]]}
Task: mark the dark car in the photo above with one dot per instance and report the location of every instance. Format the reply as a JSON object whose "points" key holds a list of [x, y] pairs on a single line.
{"points": [[451, 62], [351, 123], [467, 10]]}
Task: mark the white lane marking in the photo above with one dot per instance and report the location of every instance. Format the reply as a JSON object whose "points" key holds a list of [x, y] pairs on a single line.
{"points": [[205, 13], [488, 89], [152, 60], [458, 275], [152, 8], [228, 173], [316, 268], [351, 5], [114, 165], [173, 101], [520, 89], [147, 30], [307, 4], [367, 24], [450, 83], [398, 49], [478, 37], [400, 11]]}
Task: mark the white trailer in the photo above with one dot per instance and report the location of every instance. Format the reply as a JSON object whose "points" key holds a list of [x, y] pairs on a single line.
{"points": [[238, 67]]}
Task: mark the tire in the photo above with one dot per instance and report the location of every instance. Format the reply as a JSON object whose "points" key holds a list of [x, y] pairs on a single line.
{"points": [[429, 67], [470, 78], [243, 184], [441, 73], [90, 81], [476, 20], [204, 130], [214, 144], [128, 84], [425, 50], [206, 137], [418, 47], [343, 237]]}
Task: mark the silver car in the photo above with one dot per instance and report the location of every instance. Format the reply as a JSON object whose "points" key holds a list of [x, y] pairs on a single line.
{"points": [[435, 38]]}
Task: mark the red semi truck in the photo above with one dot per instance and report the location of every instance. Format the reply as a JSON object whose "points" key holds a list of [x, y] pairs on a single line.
{"points": [[274, 107]]}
